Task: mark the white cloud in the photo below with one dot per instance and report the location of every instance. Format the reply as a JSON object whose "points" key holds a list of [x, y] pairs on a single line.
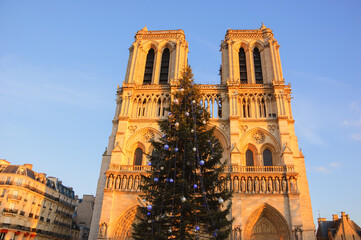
{"points": [[356, 136], [351, 123], [334, 164], [355, 106], [321, 169]]}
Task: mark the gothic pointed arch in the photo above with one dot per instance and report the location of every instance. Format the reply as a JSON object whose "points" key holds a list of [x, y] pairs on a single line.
{"points": [[257, 64], [123, 225], [259, 137], [221, 136], [267, 222], [148, 71], [242, 65], [141, 138], [138, 157], [164, 68]]}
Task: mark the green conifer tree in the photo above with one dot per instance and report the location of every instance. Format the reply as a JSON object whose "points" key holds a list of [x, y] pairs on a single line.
{"points": [[184, 194]]}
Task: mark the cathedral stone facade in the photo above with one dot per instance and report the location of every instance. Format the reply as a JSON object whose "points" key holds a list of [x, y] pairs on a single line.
{"points": [[251, 110]]}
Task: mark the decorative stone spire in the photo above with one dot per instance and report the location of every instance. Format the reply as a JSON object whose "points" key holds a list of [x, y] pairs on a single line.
{"points": [[263, 26], [145, 29]]}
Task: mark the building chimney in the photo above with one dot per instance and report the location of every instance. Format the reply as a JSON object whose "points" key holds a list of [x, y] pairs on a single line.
{"points": [[343, 215], [28, 165], [334, 217], [321, 220], [347, 217]]}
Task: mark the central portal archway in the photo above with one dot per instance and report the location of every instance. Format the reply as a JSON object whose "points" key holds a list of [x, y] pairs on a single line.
{"points": [[123, 227], [266, 223]]}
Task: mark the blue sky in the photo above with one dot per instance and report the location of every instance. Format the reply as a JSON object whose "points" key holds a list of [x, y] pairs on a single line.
{"points": [[60, 62]]}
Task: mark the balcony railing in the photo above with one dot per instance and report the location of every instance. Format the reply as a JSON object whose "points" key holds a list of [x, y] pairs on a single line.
{"points": [[10, 210], [14, 197], [34, 189], [232, 169], [261, 169], [129, 168]]}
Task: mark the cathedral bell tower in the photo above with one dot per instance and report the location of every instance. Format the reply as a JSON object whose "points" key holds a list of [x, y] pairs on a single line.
{"points": [[156, 61], [272, 177], [251, 112]]}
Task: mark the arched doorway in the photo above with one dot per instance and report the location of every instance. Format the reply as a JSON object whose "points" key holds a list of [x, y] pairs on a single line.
{"points": [[266, 223], [123, 226]]}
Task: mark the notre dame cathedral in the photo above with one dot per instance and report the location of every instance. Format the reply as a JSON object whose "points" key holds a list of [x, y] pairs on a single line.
{"points": [[251, 110]]}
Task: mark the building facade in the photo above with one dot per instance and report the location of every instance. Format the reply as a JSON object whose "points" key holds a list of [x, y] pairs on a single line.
{"points": [[251, 110], [34, 206], [84, 213], [338, 229]]}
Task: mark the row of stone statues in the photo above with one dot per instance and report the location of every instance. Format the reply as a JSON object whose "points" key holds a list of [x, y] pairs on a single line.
{"points": [[264, 185], [125, 182], [237, 184]]}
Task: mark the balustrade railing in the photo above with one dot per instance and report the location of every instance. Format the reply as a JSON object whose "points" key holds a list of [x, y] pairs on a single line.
{"points": [[239, 179], [10, 210], [232, 169]]}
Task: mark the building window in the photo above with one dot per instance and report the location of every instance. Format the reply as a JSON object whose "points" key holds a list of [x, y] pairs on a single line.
{"points": [[249, 158], [257, 66], [267, 158], [138, 157], [148, 72], [242, 65], [164, 69]]}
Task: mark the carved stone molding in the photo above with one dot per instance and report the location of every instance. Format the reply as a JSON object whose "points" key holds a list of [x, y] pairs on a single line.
{"points": [[147, 135], [132, 128], [259, 137], [243, 128], [271, 128]]}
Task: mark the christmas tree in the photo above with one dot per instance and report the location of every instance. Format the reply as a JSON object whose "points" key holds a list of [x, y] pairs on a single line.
{"points": [[184, 194]]}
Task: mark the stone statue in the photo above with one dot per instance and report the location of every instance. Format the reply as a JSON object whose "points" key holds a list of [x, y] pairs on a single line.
{"points": [[110, 182], [130, 183], [124, 182], [270, 185], [293, 185], [263, 185], [136, 183], [249, 184], [117, 183], [243, 185], [256, 185], [277, 185], [235, 185], [284, 185], [298, 234]]}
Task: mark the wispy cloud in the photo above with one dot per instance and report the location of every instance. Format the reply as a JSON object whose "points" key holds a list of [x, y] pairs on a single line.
{"points": [[321, 169], [328, 168], [351, 123], [356, 136], [355, 106]]}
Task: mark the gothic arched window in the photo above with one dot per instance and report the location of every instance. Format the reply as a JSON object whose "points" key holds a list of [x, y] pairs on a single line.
{"points": [[249, 158], [164, 69], [267, 158], [138, 157], [148, 72], [257, 66], [242, 65]]}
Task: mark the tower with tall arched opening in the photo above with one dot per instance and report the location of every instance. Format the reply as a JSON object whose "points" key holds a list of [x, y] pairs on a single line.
{"points": [[251, 110]]}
